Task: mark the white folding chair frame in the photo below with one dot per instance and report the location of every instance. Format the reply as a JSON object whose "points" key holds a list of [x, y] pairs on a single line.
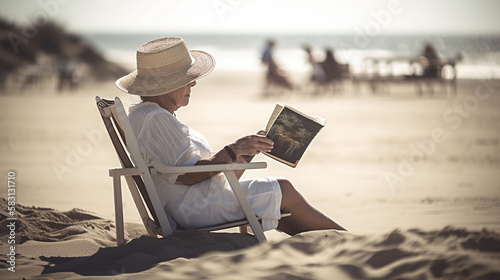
{"points": [[141, 169]]}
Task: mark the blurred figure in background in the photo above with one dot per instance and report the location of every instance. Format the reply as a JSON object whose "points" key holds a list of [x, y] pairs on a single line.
{"points": [[267, 53], [274, 75], [436, 70], [334, 70], [68, 74], [430, 62], [318, 72]]}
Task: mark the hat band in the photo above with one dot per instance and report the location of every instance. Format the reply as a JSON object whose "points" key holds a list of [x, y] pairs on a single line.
{"points": [[166, 69]]}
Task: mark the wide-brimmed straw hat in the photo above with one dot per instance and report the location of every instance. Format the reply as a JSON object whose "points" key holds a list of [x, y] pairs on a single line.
{"points": [[164, 65]]}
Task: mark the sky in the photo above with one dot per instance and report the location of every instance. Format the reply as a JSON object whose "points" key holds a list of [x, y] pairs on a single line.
{"points": [[261, 16]]}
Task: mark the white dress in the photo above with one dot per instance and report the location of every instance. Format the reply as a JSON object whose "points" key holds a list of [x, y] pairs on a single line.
{"points": [[163, 138]]}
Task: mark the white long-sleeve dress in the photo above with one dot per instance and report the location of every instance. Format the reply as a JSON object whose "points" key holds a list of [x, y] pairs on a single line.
{"points": [[163, 138]]}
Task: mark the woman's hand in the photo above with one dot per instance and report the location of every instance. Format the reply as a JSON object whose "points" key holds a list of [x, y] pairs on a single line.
{"points": [[251, 145], [244, 148]]}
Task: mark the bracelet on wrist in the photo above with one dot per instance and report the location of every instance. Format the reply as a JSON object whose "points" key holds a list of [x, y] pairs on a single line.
{"points": [[230, 152]]}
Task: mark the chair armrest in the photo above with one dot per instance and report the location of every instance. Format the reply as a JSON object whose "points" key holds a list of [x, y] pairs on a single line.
{"points": [[162, 168]]}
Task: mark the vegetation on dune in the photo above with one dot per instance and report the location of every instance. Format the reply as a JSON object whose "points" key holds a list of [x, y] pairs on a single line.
{"points": [[24, 46]]}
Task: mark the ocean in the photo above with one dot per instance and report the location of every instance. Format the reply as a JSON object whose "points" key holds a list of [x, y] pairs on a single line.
{"points": [[481, 53]]}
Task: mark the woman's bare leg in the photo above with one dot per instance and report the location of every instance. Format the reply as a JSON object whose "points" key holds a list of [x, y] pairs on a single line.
{"points": [[304, 217]]}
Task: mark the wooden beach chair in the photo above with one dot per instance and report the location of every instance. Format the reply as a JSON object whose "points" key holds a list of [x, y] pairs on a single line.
{"points": [[138, 177]]}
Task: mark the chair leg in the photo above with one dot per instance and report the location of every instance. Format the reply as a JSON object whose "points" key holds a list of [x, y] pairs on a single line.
{"points": [[247, 208], [139, 204], [117, 190]]}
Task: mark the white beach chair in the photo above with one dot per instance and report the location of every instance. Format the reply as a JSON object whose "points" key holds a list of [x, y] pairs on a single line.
{"points": [[138, 177]]}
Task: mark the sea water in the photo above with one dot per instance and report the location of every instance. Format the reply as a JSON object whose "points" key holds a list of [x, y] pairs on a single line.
{"points": [[480, 53]]}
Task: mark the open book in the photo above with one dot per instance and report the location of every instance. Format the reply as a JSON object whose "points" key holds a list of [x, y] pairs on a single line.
{"points": [[292, 131]]}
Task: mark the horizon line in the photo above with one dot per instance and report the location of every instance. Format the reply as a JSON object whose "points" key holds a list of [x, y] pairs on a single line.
{"points": [[287, 33]]}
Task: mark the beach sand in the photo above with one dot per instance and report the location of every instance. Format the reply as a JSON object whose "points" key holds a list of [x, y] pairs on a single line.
{"points": [[414, 179]]}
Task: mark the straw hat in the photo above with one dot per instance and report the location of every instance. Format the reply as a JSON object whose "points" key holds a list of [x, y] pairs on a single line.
{"points": [[164, 65]]}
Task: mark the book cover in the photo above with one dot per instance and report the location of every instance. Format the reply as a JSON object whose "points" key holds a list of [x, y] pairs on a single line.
{"points": [[292, 131]]}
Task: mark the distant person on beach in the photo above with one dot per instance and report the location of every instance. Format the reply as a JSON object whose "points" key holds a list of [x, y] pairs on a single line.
{"points": [[166, 73], [267, 53], [68, 74], [430, 62], [333, 69], [318, 73], [274, 74]]}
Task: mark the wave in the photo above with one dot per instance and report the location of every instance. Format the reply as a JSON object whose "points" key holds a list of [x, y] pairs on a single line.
{"points": [[481, 54]]}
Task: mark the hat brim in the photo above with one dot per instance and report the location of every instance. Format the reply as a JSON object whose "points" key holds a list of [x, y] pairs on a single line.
{"points": [[203, 64]]}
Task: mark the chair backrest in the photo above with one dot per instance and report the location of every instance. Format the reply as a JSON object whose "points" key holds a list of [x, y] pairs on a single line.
{"points": [[125, 143]]}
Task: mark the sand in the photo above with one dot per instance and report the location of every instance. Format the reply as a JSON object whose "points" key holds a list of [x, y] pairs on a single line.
{"points": [[414, 179], [76, 244]]}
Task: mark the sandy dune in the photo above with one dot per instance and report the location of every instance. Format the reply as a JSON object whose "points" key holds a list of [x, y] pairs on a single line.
{"points": [[72, 244]]}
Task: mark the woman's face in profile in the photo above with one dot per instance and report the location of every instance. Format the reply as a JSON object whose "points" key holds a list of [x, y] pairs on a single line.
{"points": [[181, 95]]}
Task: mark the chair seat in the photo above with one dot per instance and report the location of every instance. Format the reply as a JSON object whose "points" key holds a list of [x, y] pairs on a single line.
{"points": [[238, 223]]}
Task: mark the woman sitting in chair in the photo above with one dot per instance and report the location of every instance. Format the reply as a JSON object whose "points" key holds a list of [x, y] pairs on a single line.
{"points": [[166, 72]]}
